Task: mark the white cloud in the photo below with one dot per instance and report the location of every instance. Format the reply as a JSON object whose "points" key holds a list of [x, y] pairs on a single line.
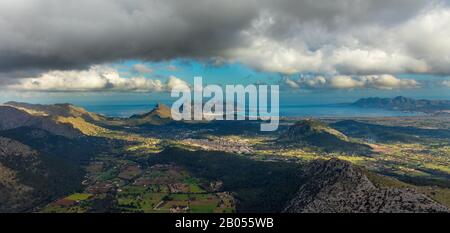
{"points": [[96, 78], [446, 83], [345, 82], [420, 44], [386, 82], [428, 37], [373, 61], [142, 69], [269, 55], [177, 84], [172, 68], [291, 83]]}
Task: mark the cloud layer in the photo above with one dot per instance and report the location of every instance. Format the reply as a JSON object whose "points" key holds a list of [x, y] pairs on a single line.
{"points": [[141, 69], [96, 78], [339, 37], [386, 82]]}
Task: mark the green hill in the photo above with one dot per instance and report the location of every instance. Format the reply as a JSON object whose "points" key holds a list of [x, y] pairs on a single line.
{"points": [[383, 133], [319, 135]]}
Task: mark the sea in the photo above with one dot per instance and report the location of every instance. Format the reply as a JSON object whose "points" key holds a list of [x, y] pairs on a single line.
{"points": [[287, 110]]}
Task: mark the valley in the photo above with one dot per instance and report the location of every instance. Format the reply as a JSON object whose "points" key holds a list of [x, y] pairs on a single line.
{"points": [[149, 163]]}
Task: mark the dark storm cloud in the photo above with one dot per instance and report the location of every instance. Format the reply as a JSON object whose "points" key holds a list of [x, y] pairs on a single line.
{"points": [[349, 12], [75, 34], [65, 34]]}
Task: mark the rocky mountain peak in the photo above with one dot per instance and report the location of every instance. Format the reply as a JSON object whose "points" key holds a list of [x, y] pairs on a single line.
{"points": [[336, 186]]}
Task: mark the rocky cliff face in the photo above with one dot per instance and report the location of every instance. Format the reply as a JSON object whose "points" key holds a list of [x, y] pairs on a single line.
{"points": [[338, 187]]}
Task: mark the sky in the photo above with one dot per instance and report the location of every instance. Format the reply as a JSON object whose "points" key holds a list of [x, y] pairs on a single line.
{"points": [[328, 51]]}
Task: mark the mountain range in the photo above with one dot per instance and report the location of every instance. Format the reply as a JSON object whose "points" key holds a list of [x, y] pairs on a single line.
{"points": [[401, 103], [44, 148]]}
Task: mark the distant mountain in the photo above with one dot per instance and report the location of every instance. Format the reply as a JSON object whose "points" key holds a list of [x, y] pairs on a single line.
{"points": [[60, 119], [318, 134], [11, 117], [336, 186], [160, 115], [62, 110], [401, 103], [28, 178]]}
